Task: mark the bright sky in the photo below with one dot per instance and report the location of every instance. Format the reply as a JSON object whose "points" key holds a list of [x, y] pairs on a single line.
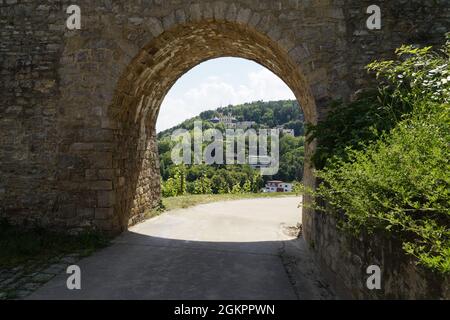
{"points": [[216, 83]]}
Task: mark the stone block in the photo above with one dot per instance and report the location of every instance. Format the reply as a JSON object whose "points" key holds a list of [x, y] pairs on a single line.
{"points": [[81, 146], [180, 16], [219, 10], [105, 174], [100, 185], [85, 212], [155, 26], [101, 160], [231, 12], [168, 21], [243, 15], [103, 213], [106, 199], [195, 13]]}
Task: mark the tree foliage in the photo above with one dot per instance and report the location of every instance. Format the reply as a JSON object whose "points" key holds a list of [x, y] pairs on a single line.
{"points": [[226, 178], [388, 170]]}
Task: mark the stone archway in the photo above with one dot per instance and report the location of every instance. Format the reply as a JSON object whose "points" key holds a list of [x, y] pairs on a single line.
{"points": [[59, 129], [148, 78], [87, 159], [66, 117], [114, 78]]}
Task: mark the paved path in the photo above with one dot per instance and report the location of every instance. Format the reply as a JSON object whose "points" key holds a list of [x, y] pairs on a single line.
{"points": [[223, 250]]}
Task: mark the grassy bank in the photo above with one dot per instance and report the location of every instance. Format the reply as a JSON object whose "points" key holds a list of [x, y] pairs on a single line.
{"points": [[20, 246], [190, 200]]}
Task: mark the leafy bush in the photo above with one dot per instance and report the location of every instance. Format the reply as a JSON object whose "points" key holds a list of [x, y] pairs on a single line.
{"points": [[400, 184], [354, 125], [418, 74], [394, 177], [202, 185], [176, 184]]}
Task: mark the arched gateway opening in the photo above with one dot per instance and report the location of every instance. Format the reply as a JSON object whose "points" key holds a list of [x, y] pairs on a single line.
{"points": [[147, 79]]}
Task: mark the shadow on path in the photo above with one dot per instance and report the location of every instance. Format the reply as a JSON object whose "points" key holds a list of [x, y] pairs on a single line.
{"points": [[213, 251]]}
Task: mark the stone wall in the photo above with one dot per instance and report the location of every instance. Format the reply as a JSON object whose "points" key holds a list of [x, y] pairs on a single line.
{"points": [[78, 108], [30, 48], [345, 259]]}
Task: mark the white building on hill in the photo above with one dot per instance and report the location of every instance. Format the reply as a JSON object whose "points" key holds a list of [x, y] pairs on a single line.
{"points": [[278, 186]]}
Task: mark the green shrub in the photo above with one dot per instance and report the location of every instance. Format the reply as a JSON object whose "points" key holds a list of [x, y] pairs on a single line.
{"points": [[386, 168], [401, 185], [354, 125], [418, 74]]}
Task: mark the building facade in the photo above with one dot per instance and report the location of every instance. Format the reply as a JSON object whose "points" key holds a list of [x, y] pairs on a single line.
{"points": [[278, 186]]}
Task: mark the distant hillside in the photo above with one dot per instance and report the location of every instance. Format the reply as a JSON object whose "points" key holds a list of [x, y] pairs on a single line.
{"points": [[225, 178], [286, 113]]}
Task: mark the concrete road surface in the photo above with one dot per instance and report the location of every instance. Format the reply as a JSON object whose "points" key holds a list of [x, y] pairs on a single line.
{"points": [[224, 250]]}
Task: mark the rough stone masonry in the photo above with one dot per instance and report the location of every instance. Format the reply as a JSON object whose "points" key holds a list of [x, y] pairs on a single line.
{"points": [[78, 107]]}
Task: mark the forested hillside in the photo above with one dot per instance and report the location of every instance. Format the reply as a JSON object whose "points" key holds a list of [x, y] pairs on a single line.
{"points": [[266, 115], [201, 179]]}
